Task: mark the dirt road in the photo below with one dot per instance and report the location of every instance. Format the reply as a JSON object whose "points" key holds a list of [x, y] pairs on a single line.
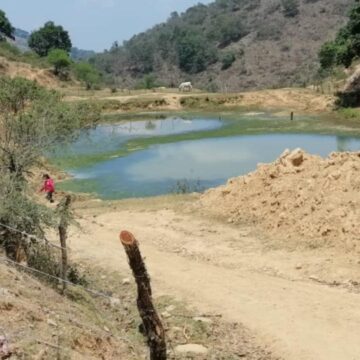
{"points": [[227, 270]]}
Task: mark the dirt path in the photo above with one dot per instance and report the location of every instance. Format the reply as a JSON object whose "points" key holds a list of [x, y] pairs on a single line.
{"points": [[223, 269]]}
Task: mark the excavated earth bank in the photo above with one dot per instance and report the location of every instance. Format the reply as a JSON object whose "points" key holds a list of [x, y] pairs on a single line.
{"points": [[299, 197]]}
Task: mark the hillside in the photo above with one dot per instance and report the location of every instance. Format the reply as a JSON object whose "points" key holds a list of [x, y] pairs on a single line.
{"points": [[21, 39], [14, 68], [230, 45]]}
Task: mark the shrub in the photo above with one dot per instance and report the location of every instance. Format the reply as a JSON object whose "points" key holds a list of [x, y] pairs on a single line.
{"points": [[227, 60], [327, 55], [86, 73], [149, 81], [61, 62], [194, 52], [346, 46], [290, 7]]}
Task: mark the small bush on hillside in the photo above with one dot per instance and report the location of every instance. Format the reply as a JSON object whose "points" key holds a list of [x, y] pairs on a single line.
{"points": [[227, 60], [149, 81], [86, 73], [290, 7], [61, 62], [270, 32], [9, 51], [212, 87], [328, 55]]}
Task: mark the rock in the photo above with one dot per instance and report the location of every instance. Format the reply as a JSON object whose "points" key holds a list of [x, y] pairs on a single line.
{"points": [[176, 329], [126, 281], [314, 278], [353, 82], [115, 302], [4, 292], [203, 320], [336, 175], [52, 323], [106, 329], [191, 349], [298, 267], [5, 352], [170, 308], [296, 157], [165, 315], [285, 154]]}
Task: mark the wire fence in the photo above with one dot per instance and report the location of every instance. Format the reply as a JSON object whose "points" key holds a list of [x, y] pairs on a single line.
{"points": [[22, 266], [32, 237], [71, 319], [74, 322]]}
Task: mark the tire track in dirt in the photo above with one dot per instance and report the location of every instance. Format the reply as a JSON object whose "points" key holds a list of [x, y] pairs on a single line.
{"points": [[297, 320]]}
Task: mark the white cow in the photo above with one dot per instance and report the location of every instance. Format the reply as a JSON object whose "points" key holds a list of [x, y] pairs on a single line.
{"points": [[185, 87]]}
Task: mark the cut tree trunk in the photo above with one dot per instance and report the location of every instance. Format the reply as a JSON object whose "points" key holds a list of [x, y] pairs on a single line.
{"points": [[153, 327], [63, 234]]}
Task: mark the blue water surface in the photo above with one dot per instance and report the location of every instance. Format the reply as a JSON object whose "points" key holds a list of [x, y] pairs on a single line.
{"points": [[208, 162]]}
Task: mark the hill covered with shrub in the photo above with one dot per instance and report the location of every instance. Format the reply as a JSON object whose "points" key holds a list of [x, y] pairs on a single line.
{"points": [[230, 45]]}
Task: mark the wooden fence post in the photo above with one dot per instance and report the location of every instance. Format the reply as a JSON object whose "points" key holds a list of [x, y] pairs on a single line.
{"points": [[63, 226], [153, 327]]}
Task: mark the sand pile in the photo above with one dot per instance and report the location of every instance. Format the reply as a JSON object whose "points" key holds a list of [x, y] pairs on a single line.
{"points": [[306, 198]]}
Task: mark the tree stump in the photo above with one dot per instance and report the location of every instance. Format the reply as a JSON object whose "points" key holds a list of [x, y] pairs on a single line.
{"points": [[153, 327], [63, 234]]}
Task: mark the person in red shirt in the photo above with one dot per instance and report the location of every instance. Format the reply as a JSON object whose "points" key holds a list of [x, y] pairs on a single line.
{"points": [[48, 187]]}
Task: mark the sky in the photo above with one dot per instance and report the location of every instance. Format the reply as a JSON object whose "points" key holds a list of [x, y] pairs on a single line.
{"points": [[94, 24]]}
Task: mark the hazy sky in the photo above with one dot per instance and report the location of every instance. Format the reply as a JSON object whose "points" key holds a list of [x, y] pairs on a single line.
{"points": [[94, 24]]}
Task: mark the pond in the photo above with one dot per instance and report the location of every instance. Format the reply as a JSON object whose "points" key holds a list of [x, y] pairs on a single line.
{"points": [[109, 137], [178, 165]]}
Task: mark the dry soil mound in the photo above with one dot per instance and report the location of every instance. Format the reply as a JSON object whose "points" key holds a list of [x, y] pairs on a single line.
{"points": [[306, 198], [18, 69]]}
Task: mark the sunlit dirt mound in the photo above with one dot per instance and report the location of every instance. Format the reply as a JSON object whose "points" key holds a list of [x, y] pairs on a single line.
{"points": [[43, 77], [300, 197]]}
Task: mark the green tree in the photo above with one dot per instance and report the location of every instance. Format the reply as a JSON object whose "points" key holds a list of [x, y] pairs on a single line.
{"points": [[5, 26], [61, 61], [195, 52], [346, 46], [50, 37], [86, 73], [328, 55], [6, 29], [227, 29], [32, 119]]}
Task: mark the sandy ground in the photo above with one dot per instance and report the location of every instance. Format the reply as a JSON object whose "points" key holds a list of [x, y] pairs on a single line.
{"points": [[293, 99], [302, 305]]}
